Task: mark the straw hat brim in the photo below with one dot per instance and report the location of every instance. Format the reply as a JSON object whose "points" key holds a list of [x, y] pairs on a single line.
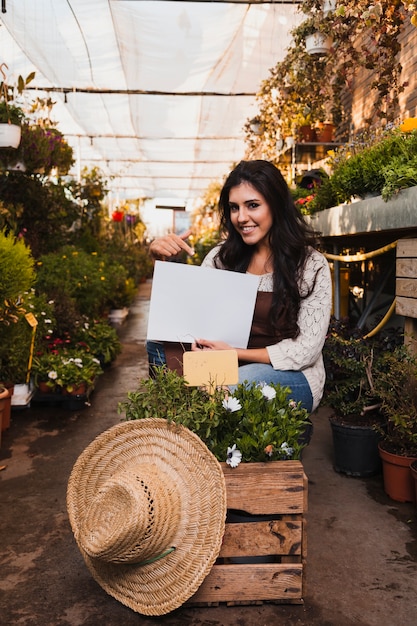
{"points": [[159, 587]]}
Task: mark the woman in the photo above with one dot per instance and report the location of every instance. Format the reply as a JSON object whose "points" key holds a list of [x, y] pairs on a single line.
{"points": [[267, 236]]}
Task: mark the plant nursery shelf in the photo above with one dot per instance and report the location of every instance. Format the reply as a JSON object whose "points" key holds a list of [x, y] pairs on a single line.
{"points": [[263, 554]]}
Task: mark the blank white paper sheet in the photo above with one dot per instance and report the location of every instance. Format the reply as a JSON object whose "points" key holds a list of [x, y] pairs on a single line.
{"points": [[189, 302]]}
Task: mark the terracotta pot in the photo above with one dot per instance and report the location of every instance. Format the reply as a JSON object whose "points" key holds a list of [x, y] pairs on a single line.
{"points": [[3, 395], [76, 390], [44, 387], [7, 407], [306, 134], [398, 480], [325, 132]]}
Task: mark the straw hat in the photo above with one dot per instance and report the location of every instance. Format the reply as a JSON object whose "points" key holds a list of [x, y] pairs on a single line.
{"points": [[147, 505]]}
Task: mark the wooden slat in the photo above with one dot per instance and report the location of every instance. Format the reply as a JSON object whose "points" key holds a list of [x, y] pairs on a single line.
{"points": [[269, 488], [406, 268], [267, 581], [277, 537], [407, 248], [406, 307], [406, 287]]}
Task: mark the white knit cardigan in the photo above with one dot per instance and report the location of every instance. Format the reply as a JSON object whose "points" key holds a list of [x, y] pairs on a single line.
{"points": [[305, 351]]}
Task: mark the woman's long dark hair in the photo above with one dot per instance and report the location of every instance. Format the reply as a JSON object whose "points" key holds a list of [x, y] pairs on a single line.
{"points": [[289, 239]]}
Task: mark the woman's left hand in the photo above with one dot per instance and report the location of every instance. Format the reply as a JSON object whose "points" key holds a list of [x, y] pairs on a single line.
{"points": [[205, 344]]}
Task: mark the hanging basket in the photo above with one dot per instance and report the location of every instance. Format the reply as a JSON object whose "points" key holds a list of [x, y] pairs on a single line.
{"points": [[10, 135], [317, 43]]}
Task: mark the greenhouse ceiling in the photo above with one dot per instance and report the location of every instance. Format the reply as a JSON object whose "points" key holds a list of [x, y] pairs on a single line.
{"points": [[154, 93]]}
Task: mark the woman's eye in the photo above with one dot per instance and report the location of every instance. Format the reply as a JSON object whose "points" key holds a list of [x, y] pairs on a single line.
{"points": [[233, 208], [253, 205]]}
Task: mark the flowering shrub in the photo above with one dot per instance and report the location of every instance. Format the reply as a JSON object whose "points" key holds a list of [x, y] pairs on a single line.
{"points": [[67, 369], [100, 339], [254, 423]]}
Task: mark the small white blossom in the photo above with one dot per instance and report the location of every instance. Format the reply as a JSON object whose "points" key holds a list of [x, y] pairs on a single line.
{"points": [[47, 321], [53, 375], [234, 456], [268, 392], [288, 451], [292, 404], [231, 404]]}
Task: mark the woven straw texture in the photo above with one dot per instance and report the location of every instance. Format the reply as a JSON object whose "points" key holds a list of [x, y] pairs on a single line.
{"points": [[138, 490]]}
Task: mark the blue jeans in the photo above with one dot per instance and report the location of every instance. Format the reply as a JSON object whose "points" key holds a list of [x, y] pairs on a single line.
{"points": [[156, 356], [265, 373]]}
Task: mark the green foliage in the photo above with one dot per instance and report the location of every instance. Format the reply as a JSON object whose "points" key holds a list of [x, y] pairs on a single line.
{"points": [[40, 150], [15, 345], [16, 337], [100, 339], [352, 364], [66, 369], [377, 164], [262, 429], [396, 385], [134, 257], [202, 246], [16, 274], [92, 281], [10, 113], [40, 210], [79, 275]]}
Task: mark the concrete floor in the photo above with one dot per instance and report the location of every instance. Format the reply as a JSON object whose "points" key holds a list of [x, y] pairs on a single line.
{"points": [[362, 549]]}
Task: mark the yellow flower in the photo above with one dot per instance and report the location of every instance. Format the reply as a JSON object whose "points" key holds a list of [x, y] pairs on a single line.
{"points": [[411, 122]]}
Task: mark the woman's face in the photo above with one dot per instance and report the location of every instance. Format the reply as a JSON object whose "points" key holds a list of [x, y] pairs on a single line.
{"points": [[250, 214]]}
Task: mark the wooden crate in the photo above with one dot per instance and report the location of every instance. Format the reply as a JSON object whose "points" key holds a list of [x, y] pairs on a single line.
{"points": [[277, 490]]}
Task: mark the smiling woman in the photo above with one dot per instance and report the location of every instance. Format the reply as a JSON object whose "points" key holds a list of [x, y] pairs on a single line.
{"points": [[265, 235]]}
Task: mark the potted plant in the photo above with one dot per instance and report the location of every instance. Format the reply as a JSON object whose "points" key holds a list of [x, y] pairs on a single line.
{"points": [[11, 114], [396, 385], [73, 370], [376, 163], [352, 364], [4, 396], [100, 339], [16, 277], [253, 424]]}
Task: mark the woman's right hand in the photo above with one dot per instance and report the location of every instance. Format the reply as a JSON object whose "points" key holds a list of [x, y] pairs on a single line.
{"points": [[170, 245]]}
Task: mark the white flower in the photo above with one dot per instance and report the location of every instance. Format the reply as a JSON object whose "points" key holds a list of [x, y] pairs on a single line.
{"points": [[231, 404], [234, 456], [268, 392], [288, 451], [53, 375], [292, 404], [48, 321]]}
